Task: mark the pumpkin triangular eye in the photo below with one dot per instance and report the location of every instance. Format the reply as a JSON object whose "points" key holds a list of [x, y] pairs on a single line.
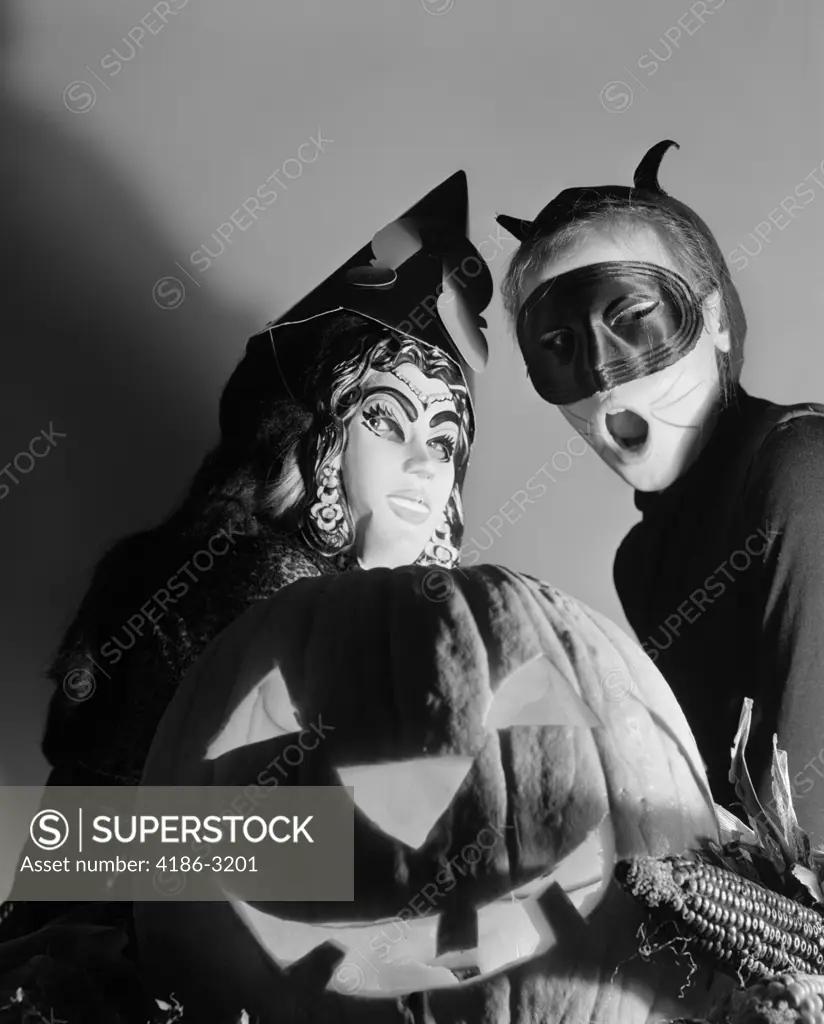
{"points": [[406, 798], [537, 694]]}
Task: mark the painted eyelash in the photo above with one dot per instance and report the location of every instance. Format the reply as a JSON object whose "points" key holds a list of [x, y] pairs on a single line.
{"points": [[446, 440], [377, 410]]}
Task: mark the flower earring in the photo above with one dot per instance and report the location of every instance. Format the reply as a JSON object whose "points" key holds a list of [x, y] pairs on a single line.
{"points": [[327, 513], [439, 549]]}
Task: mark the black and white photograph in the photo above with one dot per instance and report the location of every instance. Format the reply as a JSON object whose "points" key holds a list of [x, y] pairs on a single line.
{"points": [[412, 493]]}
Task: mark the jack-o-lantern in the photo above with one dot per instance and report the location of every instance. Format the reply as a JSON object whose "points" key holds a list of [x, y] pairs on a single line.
{"points": [[506, 745]]}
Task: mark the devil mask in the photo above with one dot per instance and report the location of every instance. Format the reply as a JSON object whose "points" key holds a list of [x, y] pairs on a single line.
{"points": [[596, 327], [591, 329]]}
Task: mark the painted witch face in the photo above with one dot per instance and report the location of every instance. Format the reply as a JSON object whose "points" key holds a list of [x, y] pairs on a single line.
{"points": [[606, 347], [398, 467]]}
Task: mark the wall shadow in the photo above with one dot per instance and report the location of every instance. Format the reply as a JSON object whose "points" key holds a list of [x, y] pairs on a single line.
{"points": [[126, 389]]}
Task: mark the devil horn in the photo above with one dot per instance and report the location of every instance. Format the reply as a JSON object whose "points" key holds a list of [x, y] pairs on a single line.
{"points": [[520, 229], [646, 173]]}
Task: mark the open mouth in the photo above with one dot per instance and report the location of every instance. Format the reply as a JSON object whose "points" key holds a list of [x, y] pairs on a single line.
{"points": [[629, 430]]}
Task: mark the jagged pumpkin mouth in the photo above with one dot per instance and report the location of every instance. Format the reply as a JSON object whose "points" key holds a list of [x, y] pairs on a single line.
{"points": [[397, 957]]}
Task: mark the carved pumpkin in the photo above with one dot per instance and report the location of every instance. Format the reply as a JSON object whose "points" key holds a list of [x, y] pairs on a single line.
{"points": [[464, 704]]}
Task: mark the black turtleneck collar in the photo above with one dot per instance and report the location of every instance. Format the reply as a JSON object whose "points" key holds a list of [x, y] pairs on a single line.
{"points": [[733, 421]]}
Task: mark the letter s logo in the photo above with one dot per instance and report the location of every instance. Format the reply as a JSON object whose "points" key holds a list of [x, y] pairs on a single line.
{"points": [[49, 830]]}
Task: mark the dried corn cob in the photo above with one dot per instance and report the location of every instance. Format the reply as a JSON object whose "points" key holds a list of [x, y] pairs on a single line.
{"points": [[791, 998], [742, 928]]}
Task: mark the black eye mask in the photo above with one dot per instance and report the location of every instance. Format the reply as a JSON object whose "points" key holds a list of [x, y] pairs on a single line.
{"points": [[591, 329]]}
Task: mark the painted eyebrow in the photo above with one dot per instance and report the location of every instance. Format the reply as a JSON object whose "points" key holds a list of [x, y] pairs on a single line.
{"points": [[406, 403], [447, 416]]}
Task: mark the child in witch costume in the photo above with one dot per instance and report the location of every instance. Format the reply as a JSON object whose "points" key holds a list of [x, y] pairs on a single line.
{"points": [[628, 321], [254, 504], [345, 438]]}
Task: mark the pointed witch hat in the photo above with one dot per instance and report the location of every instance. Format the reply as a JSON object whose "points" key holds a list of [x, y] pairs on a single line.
{"points": [[407, 275], [419, 275]]}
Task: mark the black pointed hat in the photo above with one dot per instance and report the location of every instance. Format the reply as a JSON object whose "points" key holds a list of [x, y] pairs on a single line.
{"points": [[645, 191], [419, 275], [398, 277]]}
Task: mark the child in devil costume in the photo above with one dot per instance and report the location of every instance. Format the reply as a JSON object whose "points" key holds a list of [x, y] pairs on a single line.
{"points": [[628, 321]]}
